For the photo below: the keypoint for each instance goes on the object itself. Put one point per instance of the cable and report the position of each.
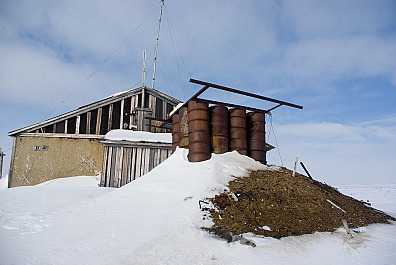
(166, 81)
(100, 66)
(172, 33)
(177, 63)
(6, 147)
(276, 142)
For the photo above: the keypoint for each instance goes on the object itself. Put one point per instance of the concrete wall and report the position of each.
(38, 159)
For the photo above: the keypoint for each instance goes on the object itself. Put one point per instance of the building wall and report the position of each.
(38, 159)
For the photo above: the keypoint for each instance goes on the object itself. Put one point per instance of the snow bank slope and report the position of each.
(156, 220)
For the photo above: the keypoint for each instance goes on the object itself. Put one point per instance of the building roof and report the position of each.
(92, 106)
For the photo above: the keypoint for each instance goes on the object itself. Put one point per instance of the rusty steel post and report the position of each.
(198, 131)
(219, 129)
(183, 127)
(175, 131)
(238, 140)
(256, 128)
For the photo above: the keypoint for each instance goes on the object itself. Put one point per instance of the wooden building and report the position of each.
(70, 144)
(126, 159)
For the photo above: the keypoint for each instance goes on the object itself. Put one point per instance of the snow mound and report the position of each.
(157, 220)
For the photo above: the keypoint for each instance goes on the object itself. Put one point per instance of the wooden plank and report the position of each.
(152, 106)
(113, 166)
(129, 165)
(98, 121)
(147, 162)
(78, 124)
(108, 167)
(138, 163)
(66, 121)
(88, 124)
(133, 106)
(104, 166)
(110, 117)
(151, 158)
(142, 164)
(133, 163)
(118, 167)
(124, 172)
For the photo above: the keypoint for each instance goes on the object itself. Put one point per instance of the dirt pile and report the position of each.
(275, 204)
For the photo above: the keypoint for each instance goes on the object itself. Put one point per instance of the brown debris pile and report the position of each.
(275, 204)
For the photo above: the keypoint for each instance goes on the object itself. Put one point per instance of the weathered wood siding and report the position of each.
(123, 164)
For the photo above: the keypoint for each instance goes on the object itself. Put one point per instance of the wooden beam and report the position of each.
(98, 121)
(110, 117)
(88, 124)
(66, 122)
(78, 124)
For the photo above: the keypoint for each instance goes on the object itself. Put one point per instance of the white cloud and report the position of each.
(337, 153)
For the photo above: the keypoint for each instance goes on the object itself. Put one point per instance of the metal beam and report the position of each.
(206, 84)
(271, 109)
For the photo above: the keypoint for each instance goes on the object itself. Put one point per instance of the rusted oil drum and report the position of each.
(175, 131)
(183, 127)
(238, 140)
(256, 127)
(199, 134)
(219, 129)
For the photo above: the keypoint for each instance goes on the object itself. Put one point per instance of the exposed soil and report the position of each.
(275, 204)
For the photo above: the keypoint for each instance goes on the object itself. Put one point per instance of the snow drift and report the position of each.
(156, 220)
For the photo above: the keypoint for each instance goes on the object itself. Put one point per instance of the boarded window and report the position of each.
(104, 120)
(116, 115)
(48, 129)
(169, 108)
(83, 124)
(158, 108)
(60, 127)
(92, 127)
(139, 99)
(127, 112)
(71, 125)
(146, 100)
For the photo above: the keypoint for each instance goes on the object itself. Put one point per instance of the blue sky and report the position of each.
(336, 58)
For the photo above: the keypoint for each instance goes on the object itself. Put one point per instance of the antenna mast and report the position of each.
(144, 68)
(156, 45)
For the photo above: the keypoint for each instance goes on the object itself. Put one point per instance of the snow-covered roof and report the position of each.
(138, 136)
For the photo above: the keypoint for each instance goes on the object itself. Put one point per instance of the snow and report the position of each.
(4, 183)
(138, 136)
(156, 220)
(176, 108)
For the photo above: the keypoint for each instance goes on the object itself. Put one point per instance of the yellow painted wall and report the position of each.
(65, 157)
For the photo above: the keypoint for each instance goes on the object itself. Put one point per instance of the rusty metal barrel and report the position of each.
(256, 127)
(183, 127)
(238, 140)
(219, 129)
(175, 131)
(199, 134)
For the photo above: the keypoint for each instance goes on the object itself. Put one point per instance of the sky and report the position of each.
(335, 58)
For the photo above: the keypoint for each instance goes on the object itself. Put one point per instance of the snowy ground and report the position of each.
(156, 220)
